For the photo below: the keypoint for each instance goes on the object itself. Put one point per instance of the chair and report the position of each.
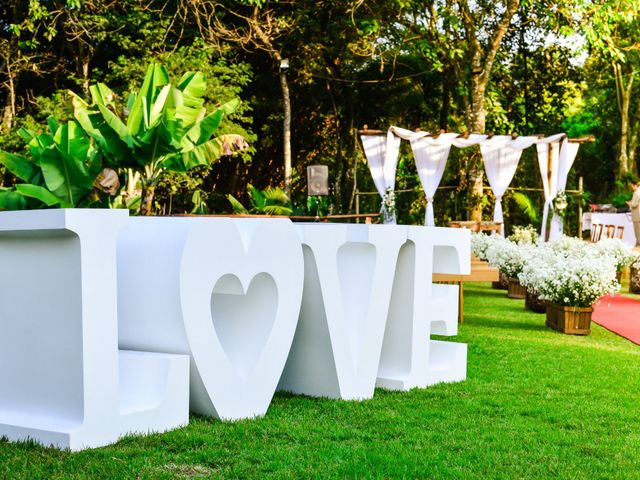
(596, 231)
(610, 231)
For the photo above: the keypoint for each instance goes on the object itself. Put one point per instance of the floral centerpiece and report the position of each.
(389, 206)
(524, 235)
(618, 250)
(570, 281)
(511, 258)
(480, 243)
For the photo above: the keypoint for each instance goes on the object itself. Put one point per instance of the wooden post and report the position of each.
(580, 208)
(357, 205)
(549, 177)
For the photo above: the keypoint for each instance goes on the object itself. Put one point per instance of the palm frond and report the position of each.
(236, 205)
(276, 195)
(277, 210)
(526, 205)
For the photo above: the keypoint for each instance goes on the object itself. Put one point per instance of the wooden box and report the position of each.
(570, 320)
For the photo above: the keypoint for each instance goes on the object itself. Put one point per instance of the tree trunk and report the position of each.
(624, 100)
(446, 99)
(85, 77)
(478, 122)
(286, 132)
(481, 58)
(10, 107)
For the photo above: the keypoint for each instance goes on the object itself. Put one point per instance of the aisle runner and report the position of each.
(619, 314)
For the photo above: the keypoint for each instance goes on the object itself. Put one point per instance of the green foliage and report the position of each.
(270, 201)
(199, 203)
(163, 127)
(61, 170)
(166, 126)
(526, 205)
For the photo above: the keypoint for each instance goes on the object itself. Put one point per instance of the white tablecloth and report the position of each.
(617, 219)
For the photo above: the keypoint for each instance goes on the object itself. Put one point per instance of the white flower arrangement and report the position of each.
(510, 257)
(616, 248)
(575, 277)
(567, 245)
(560, 204)
(389, 206)
(524, 235)
(480, 243)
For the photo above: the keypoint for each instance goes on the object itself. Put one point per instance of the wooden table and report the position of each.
(477, 226)
(480, 272)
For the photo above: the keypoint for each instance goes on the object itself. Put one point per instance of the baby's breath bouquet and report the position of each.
(524, 235)
(616, 248)
(575, 279)
(509, 257)
(480, 243)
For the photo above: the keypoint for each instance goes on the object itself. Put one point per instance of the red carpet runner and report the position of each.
(619, 314)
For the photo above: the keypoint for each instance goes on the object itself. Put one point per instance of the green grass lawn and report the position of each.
(536, 404)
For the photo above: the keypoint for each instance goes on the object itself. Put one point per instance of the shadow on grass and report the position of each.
(509, 324)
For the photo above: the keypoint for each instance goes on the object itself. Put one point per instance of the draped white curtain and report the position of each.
(549, 157)
(563, 154)
(501, 155)
(382, 156)
(431, 157)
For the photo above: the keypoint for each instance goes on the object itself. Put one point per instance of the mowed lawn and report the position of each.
(536, 404)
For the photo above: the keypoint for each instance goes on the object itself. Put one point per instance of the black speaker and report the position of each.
(317, 180)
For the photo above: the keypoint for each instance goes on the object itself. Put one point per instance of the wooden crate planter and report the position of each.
(534, 303)
(502, 283)
(516, 290)
(570, 320)
(634, 280)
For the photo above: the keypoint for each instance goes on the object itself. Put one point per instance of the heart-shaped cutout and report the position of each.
(243, 320)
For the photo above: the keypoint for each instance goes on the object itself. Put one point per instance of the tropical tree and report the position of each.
(163, 127)
(64, 170)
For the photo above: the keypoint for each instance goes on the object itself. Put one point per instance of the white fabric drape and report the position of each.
(546, 160)
(431, 156)
(501, 155)
(470, 141)
(382, 156)
(566, 157)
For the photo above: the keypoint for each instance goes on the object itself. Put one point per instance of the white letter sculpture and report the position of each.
(224, 291)
(349, 272)
(63, 381)
(418, 308)
(249, 304)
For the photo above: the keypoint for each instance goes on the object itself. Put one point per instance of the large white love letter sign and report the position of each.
(349, 271)
(225, 291)
(63, 381)
(420, 308)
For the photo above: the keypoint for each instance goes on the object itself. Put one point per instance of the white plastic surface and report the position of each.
(59, 377)
(349, 271)
(420, 308)
(224, 291)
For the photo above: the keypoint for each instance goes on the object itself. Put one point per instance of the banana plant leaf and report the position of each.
(11, 200)
(61, 171)
(42, 194)
(20, 166)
